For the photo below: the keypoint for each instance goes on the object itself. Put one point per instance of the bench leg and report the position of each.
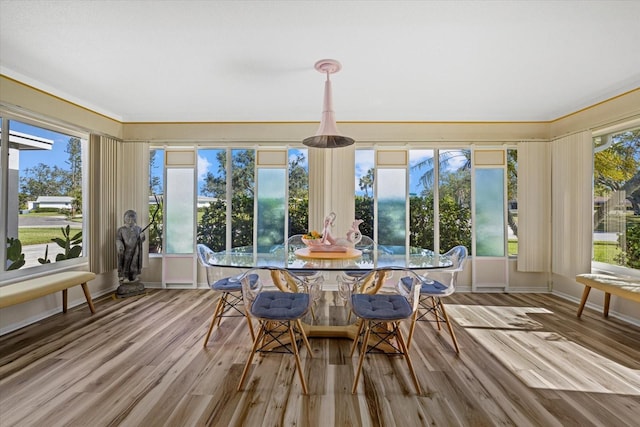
(607, 300)
(87, 295)
(583, 301)
(64, 300)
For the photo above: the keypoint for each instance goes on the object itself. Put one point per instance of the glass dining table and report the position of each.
(370, 265)
(300, 259)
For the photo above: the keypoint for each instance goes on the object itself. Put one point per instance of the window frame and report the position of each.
(6, 116)
(609, 133)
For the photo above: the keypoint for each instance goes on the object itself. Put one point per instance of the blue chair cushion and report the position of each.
(233, 284)
(277, 305)
(380, 306)
(435, 288)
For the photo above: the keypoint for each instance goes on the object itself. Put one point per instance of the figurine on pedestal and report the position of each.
(129, 240)
(354, 236)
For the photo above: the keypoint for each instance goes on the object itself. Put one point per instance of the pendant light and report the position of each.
(328, 135)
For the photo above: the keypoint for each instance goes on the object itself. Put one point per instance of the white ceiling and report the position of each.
(219, 61)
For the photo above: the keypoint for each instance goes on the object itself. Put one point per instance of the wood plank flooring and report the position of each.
(526, 360)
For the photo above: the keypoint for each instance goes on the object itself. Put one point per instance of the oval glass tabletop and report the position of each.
(362, 258)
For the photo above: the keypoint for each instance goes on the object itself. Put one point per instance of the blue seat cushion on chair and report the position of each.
(277, 305)
(380, 306)
(233, 284)
(426, 288)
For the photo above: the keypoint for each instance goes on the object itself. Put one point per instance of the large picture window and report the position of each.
(43, 185)
(225, 174)
(616, 187)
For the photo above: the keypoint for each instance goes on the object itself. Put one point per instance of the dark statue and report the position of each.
(129, 240)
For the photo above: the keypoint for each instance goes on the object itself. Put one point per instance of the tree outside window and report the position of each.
(616, 197)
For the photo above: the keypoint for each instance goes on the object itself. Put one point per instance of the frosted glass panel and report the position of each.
(490, 236)
(392, 208)
(271, 208)
(180, 215)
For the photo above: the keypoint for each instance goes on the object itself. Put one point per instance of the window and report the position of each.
(431, 187)
(221, 226)
(156, 198)
(439, 192)
(512, 201)
(616, 197)
(298, 191)
(365, 177)
(44, 187)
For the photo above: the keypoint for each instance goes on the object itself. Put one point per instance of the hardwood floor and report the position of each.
(526, 360)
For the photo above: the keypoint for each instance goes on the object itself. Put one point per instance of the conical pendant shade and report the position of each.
(328, 135)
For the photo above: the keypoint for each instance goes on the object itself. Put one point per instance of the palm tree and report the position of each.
(366, 182)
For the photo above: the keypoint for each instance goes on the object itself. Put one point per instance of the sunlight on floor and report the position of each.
(543, 359)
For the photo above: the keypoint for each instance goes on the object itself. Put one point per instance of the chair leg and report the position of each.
(256, 344)
(434, 304)
(248, 317)
(405, 349)
(304, 337)
(213, 321)
(446, 319)
(296, 354)
(414, 319)
(356, 338)
(363, 352)
(223, 307)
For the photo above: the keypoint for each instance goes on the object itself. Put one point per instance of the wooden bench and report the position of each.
(31, 289)
(627, 288)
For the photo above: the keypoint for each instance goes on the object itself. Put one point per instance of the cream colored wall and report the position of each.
(363, 132)
(619, 109)
(17, 95)
(23, 97)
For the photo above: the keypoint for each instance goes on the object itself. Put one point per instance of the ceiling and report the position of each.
(238, 61)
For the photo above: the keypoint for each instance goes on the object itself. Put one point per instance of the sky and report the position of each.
(57, 156)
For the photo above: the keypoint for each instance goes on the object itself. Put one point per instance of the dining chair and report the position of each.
(293, 244)
(380, 315)
(230, 303)
(279, 314)
(432, 291)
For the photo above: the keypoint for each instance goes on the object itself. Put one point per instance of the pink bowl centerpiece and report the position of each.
(312, 239)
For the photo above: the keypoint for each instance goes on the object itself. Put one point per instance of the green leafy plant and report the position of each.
(631, 256)
(14, 254)
(71, 244)
(46, 259)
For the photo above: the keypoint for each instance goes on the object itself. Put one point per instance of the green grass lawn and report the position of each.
(35, 236)
(602, 251)
(605, 252)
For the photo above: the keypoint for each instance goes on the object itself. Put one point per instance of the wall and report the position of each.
(18, 96)
(23, 97)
